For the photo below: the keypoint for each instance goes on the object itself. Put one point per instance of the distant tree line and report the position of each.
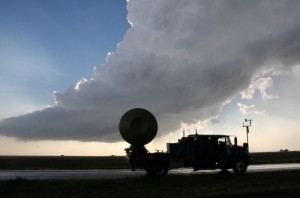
(283, 150)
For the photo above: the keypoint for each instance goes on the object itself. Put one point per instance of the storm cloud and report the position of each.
(182, 60)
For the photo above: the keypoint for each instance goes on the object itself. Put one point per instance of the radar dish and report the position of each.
(138, 127)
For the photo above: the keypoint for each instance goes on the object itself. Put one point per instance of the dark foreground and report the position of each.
(113, 162)
(265, 184)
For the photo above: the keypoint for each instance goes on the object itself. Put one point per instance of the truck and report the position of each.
(198, 151)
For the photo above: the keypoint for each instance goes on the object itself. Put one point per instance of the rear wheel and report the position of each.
(240, 166)
(157, 170)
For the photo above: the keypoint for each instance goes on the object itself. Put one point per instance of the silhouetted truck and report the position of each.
(138, 127)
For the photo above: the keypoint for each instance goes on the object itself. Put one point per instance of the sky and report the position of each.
(70, 69)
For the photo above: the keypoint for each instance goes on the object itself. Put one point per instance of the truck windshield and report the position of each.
(227, 141)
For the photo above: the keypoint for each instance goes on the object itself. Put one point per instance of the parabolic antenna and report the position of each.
(138, 127)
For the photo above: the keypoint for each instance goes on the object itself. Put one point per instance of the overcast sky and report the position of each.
(70, 69)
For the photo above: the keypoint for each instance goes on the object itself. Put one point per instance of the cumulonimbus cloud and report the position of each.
(180, 59)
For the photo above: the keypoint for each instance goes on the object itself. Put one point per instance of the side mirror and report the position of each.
(235, 141)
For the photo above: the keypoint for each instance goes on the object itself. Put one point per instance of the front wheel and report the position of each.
(240, 166)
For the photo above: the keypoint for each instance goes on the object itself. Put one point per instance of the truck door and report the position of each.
(224, 144)
(210, 149)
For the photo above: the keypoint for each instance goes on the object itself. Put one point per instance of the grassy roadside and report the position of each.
(271, 184)
(276, 157)
(61, 162)
(114, 162)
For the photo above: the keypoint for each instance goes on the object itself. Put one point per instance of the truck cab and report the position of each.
(212, 152)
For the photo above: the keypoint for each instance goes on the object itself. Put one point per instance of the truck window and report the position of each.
(227, 141)
(224, 140)
(221, 140)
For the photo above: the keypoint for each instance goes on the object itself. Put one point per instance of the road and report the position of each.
(124, 173)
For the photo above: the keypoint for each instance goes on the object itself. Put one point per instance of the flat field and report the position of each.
(114, 162)
(276, 157)
(61, 162)
(262, 184)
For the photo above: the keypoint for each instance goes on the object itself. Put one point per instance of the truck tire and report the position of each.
(223, 164)
(240, 166)
(157, 170)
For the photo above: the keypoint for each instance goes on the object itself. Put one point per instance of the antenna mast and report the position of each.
(245, 124)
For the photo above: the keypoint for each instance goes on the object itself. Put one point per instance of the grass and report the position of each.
(269, 184)
(276, 157)
(114, 162)
(61, 162)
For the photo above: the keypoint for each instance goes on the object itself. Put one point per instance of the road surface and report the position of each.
(124, 173)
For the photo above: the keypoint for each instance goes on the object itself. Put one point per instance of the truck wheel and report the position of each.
(223, 165)
(240, 166)
(157, 170)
